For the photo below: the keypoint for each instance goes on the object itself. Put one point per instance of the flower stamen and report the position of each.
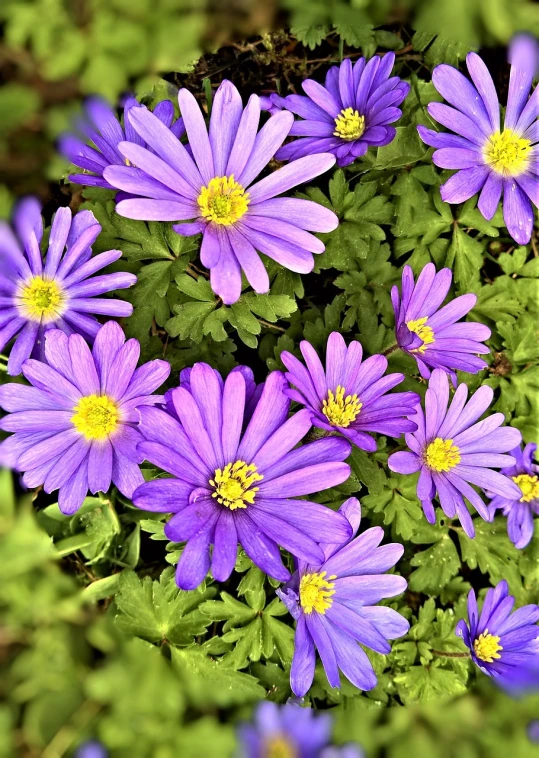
(96, 416)
(486, 647)
(349, 125)
(340, 410)
(507, 153)
(41, 299)
(233, 484)
(529, 486)
(223, 201)
(315, 592)
(442, 455)
(278, 747)
(424, 332)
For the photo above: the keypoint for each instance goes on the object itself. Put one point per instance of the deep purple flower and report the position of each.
(520, 510)
(215, 188)
(334, 603)
(346, 116)
(503, 644)
(434, 336)
(287, 731)
(489, 159)
(350, 397)
(75, 428)
(56, 293)
(101, 127)
(452, 451)
(236, 479)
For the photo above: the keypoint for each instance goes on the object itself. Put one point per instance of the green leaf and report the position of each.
(420, 684)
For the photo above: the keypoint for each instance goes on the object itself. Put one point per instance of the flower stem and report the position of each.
(450, 655)
(391, 349)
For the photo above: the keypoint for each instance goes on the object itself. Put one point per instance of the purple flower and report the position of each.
(75, 427)
(334, 603)
(520, 510)
(452, 451)
(215, 187)
(101, 127)
(91, 749)
(347, 115)
(533, 731)
(236, 478)
(432, 335)
(503, 644)
(489, 159)
(287, 731)
(350, 397)
(56, 293)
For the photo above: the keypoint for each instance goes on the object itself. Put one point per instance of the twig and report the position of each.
(271, 326)
(450, 655)
(391, 349)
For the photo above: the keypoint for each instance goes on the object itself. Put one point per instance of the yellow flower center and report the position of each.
(486, 647)
(529, 486)
(96, 416)
(278, 747)
(442, 455)
(223, 201)
(424, 332)
(233, 484)
(349, 125)
(41, 299)
(340, 410)
(315, 592)
(507, 153)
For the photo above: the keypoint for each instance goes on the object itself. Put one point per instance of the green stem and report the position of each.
(391, 349)
(450, 655)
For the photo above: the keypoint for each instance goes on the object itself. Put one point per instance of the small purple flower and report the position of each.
(434, 336)
(237, 476)
(505, 645)
(520, 510)
(452, 452)
(347, 115)
(285, 731)
(101, 127)
(334, 604)
(91, 749)
(488, 158)
(56, 293)
(217, 191)
(75, 428)
(350, 397)
(533, 731)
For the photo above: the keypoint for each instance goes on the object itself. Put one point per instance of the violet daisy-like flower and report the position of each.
(75, 428)
(451, 451)
(216, 189)
(237, 478)
(285, 731)
(346, 116)
(520, 510)
(504, 644)
(334, 604)
(435, 336)
(59, 292)
(350, 396)
(101, 127)
(489, 158)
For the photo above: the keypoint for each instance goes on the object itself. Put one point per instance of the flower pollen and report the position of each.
(507, 153)
(442, 455)
(424, 332)
(223, 201)
(529, 486)
(340, 410)
(41, 299)
(278, 747)
(233, 484)
(96, 416)
(315, 592)
(486, 647)
(349, 125)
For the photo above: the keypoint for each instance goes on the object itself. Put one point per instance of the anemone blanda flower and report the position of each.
(520, 510)
(233, 486)
(489, 158)
(346, 116)
(452, 451)
(291, 731)
(74, 429)
(101, 127)
(217, 189)
(504, 644)
(350, 397)
(434, 336)
(56, 293)
(91, 749)
(334, 604)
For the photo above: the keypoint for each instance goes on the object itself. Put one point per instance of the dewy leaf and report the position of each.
(437, 566)
(405, 149)
(465, 257)
(491, 551)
